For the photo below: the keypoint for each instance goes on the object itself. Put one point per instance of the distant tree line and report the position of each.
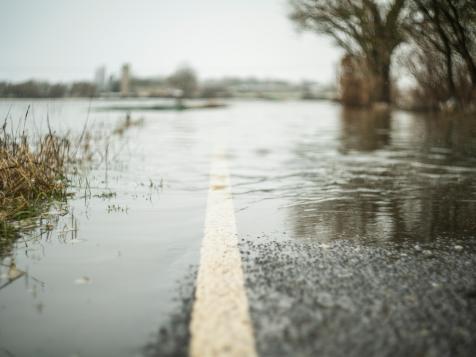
(439, 37)
(36, 89)
(183, 83)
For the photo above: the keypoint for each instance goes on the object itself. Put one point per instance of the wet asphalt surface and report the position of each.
(348, 299)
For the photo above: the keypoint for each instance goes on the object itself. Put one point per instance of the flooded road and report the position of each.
(358, 175)
(326, 201)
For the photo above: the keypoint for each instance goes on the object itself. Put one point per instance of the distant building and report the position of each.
(100, 79)
(125, 81)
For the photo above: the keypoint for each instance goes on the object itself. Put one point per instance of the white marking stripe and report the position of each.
(220, 325)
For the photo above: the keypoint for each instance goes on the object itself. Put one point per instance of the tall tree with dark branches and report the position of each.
(442, 35)
(460, 19)
(368, 28)
(432, 50)
(450, 27)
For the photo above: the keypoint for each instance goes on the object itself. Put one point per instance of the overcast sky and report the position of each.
(62, 40)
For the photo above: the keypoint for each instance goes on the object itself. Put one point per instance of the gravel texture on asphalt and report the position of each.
(347, 298)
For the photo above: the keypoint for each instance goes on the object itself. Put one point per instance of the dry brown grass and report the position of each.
(32, 172)
(37, 170)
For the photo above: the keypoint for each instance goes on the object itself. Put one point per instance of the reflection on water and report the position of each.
(364, 130)
(395, 177)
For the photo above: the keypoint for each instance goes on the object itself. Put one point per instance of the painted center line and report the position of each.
(220, 324)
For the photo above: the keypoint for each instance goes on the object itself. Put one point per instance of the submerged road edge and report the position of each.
(220, 323)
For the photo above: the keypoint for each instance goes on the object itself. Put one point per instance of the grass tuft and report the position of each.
(32, 173)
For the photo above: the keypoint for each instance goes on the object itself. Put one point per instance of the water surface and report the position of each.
(308, 170)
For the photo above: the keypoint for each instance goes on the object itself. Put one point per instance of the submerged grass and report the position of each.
(127, 123)
(38, 171)
(33, 172)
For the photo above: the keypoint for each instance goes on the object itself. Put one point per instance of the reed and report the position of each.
(33, 172)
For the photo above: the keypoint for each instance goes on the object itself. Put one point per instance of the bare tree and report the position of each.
(444, 34)
(460, 22)
(368, 28)
(185, 80)
(427, 31)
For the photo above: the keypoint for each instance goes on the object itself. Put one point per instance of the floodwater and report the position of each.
(310, 170)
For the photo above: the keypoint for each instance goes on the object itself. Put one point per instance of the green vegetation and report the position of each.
(106, 195)
(115, 208)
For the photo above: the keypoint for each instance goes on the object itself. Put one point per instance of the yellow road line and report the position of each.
(220, 325)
